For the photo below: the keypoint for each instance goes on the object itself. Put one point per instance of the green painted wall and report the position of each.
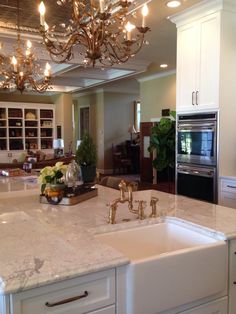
(157, 94)
(119, 116)
(111, 115)
(95, 102)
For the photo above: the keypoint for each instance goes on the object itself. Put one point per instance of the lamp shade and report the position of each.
(58, 143)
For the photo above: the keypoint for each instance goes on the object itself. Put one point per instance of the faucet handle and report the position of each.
(141, 207)
(153, 204)
(122, 185)
(112, 213)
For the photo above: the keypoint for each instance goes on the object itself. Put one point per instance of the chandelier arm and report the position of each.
(55, 47)
(126, 55)
(115, 58)
(76, 11)
(109, 51)
(118, 48)
(39, 87)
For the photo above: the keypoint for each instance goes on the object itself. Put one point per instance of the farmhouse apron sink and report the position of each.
(170, 265)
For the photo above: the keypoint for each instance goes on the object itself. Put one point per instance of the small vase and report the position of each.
(54, 192)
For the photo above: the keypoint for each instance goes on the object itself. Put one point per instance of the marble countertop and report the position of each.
(42, 243)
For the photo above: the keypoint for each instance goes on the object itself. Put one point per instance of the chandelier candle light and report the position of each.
(21, 71)
(99, 28)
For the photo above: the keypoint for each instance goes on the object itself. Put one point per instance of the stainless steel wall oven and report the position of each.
(197, 139)
(196, 170)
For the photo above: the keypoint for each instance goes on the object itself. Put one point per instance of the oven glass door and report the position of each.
(197, 145)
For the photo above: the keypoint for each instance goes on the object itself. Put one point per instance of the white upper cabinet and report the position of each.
(198, 63)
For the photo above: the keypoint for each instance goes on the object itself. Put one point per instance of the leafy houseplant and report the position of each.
(86, 157)
(162, 140)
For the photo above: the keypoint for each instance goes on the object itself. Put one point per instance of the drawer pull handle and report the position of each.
(84, 295)
(193, 98)
(231, 186)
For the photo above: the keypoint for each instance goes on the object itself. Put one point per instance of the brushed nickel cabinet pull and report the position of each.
(193, 98)
(197, 93)
(231, 186)
(84, 295)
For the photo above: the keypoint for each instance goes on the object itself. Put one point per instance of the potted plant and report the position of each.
(162, 140)
(52, 182)
(86, 157)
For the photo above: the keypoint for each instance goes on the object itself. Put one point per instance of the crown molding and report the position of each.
(156, 76)
(201, 9)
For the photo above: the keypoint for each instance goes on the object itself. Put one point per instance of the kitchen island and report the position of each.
(43, 245)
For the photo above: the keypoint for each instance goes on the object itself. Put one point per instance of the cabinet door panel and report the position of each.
(4, 304)
(107, 310)
(186, 66)
(63, 297)
(214, 307)
(208, 69)
(232, 277)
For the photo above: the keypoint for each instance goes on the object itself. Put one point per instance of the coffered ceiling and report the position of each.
(73, 77)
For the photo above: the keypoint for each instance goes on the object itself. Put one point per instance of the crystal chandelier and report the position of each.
(20, 71)
(99, 28)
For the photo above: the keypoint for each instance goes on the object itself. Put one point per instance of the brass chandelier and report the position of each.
(20, 71)
(99, 28)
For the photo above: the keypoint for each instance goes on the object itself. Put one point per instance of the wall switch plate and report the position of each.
(9, 154)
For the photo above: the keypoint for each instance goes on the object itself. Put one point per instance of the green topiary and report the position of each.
(86, 154)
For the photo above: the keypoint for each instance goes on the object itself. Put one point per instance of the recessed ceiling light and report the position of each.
(164, 65)
(173, 4)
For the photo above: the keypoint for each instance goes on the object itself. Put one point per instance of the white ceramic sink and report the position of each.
(170, 266)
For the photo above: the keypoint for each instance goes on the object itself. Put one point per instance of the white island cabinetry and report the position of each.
(227, 192)
(214, 307)
(93, 293)
(232, 277)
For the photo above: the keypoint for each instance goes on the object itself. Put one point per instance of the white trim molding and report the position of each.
(156, 76)
(203, 8)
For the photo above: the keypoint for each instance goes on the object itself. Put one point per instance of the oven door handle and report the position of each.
(195, 129)
(199, 173)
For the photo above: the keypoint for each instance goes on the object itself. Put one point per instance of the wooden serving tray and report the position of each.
(73, 200)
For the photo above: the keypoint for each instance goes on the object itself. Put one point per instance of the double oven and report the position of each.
(196, 170)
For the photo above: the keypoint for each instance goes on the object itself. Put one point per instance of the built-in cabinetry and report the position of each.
(198, 50)
(93, 293)
(227, 191)
(215, 307)
(232, 277)
(206, 49)
(104, 292)
(27, 126)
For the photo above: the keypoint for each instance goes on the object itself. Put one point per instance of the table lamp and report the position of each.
(58, 146)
